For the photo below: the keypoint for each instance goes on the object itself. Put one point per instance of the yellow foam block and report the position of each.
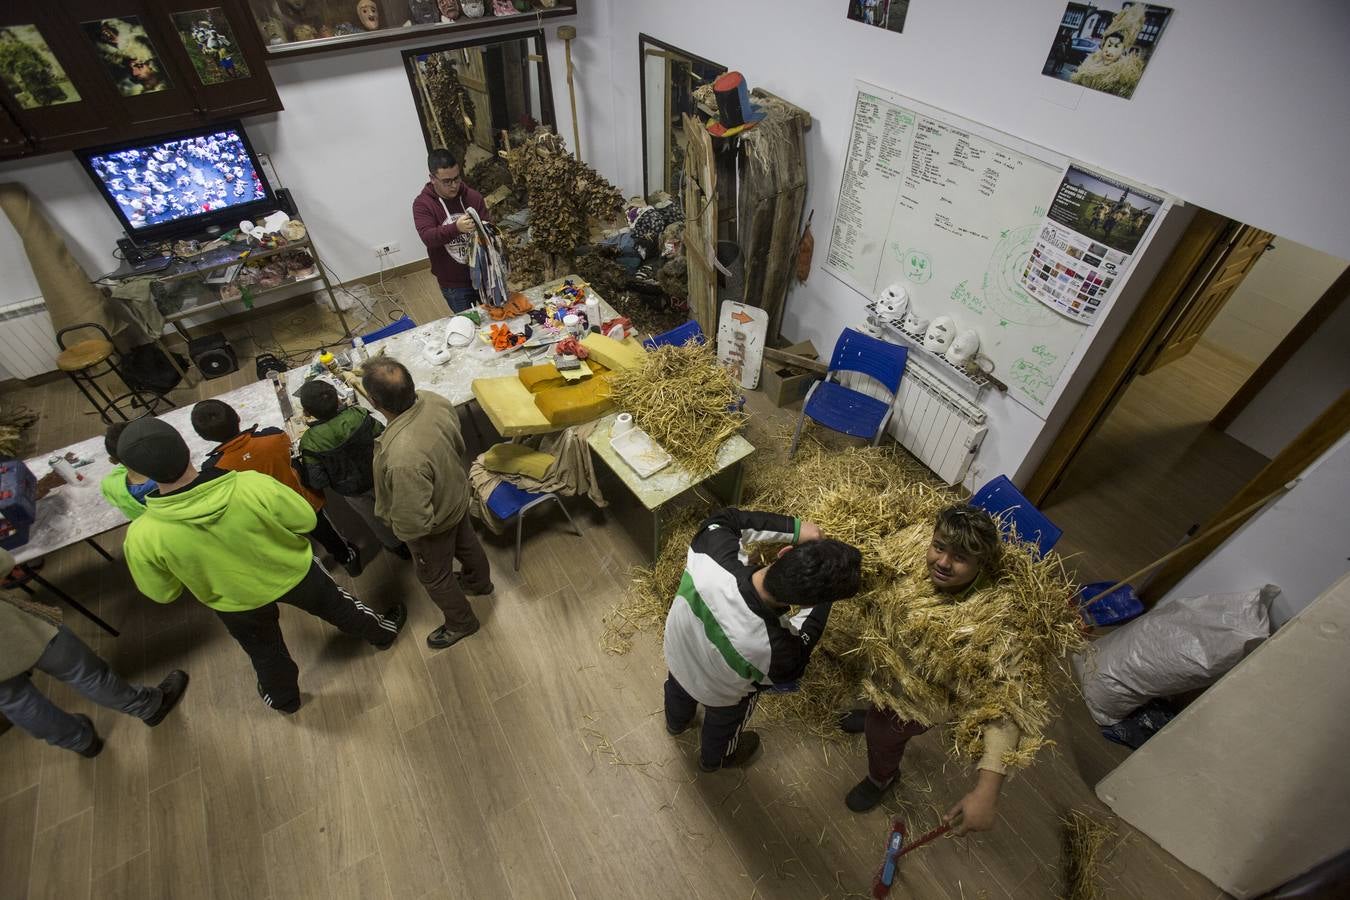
(575, 403)
(538, 378)
(614, 354)
(517, 459)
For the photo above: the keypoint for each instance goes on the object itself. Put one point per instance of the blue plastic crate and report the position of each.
(18, 492)
(13, 535)
(1120, 605)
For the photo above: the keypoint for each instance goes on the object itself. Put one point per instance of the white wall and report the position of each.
(1313, 377)
(1300, 542)
(1282, 286)
(348, 144)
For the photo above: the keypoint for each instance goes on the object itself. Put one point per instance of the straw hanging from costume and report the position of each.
(487, 261)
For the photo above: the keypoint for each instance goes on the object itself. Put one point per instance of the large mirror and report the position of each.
(669, 76)
(474, 98)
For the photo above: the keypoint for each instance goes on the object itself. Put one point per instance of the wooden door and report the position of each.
(216, 47)
(1205, 297)
(13, 142)
(125, 45)
(47, 86)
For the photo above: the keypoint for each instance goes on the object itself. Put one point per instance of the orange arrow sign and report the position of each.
(741, 317)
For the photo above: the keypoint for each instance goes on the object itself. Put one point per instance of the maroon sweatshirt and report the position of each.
(428, 214)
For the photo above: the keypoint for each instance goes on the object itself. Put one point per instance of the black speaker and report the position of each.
(213, 355)
(285, 201)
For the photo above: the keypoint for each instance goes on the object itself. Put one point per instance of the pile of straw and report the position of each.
(13, 423)
(1083, 840)
(564, 193)
(995, 654)
(680, 396)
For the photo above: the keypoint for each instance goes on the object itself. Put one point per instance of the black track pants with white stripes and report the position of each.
(258, 631)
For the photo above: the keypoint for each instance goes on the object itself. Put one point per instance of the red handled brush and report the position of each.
(895, 848)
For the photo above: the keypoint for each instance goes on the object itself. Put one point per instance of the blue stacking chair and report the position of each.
(844, 409)
(677, 336)
(1005, 503)
(508, 502)
(397, 326)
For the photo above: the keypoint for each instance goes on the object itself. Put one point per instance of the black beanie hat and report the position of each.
(154, 449)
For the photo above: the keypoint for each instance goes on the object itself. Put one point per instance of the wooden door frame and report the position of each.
(1306, 327)
(1200, 247)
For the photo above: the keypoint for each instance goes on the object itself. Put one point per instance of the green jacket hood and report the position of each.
(201, 505)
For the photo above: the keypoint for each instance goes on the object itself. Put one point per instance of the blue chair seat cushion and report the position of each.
(846, 410)
(506, 500)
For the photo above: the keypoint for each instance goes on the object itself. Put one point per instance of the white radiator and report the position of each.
(27, 339)
(940, 427)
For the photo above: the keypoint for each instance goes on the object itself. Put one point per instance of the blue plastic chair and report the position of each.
(677, 336)
(844, 409)
(508, 502)
(395, 327)
(1005, 503)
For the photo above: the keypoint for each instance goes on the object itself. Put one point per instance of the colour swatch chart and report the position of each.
(1093, 227)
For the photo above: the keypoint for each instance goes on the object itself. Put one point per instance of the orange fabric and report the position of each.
(266, 453)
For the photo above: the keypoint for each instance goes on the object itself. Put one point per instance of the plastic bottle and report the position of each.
(593, 314)
(359, 352)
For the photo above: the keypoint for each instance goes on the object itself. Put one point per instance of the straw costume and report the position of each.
(1112, 67)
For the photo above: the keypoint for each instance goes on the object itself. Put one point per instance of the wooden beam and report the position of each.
(800, 362)
(1304, 328)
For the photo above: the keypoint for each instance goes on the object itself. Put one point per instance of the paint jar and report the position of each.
(572, 323)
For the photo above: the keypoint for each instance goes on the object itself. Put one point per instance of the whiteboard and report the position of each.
(950, 209)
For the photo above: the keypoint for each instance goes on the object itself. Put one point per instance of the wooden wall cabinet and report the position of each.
(85, 72)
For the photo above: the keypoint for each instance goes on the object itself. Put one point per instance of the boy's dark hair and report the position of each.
(440, 158)
(319, 400)
(215, 420)
(815, 572)
(110, 440)
(389, 385)
(973, 531)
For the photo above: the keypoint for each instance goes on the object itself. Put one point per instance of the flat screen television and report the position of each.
(181, 184)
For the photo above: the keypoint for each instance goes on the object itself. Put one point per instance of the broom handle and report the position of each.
(927, 838)
(1237, 516)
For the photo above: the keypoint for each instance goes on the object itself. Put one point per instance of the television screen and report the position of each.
(180, 184)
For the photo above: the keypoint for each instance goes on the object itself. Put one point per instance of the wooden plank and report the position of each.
(364, 881)
(526, 854)
(800, 362)
(61, 857)
(129, 881)
(18, 830)
(180, 863)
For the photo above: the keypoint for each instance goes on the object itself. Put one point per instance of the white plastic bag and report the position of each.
(1180, 645)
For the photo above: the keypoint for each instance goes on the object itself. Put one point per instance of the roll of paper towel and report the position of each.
(622, 424)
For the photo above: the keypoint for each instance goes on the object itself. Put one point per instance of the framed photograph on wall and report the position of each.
(128, 55)
(210, 45)
(1104, 48)
(30, 70)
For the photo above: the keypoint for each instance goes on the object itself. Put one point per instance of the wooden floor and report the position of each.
(523, 762)
(1154, 468)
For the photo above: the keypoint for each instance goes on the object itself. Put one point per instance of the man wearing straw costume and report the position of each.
(728, 632)
(929, 690)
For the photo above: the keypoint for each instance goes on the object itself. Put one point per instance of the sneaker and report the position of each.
(459, 579)
(96, 745)
(285, 710)
(172, 687)
(746, 749)
(398, 617)
(866, 794)
(353, 563)
(853, 722)
(401, 551)
(443, 637)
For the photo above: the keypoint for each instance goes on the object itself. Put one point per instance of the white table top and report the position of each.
(674, 479)
(72, 514)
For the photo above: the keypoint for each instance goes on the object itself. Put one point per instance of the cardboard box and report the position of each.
(784, 384)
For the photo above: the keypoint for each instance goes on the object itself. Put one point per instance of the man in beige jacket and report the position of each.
(422, 492)
(31, 637)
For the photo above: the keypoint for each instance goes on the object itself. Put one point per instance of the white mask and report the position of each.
(914, 324)
(893, 302)
(940, 334)
(963, 348)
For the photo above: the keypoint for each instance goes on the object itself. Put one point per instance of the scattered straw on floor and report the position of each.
(679, 396)
(1084, 840)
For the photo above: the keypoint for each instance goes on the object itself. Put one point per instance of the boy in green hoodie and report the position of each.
(237, 541)
(122, 488)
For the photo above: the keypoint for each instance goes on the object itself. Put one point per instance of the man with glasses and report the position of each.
(441, 217)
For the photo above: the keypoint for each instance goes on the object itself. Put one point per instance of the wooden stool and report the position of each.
(89, 360)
